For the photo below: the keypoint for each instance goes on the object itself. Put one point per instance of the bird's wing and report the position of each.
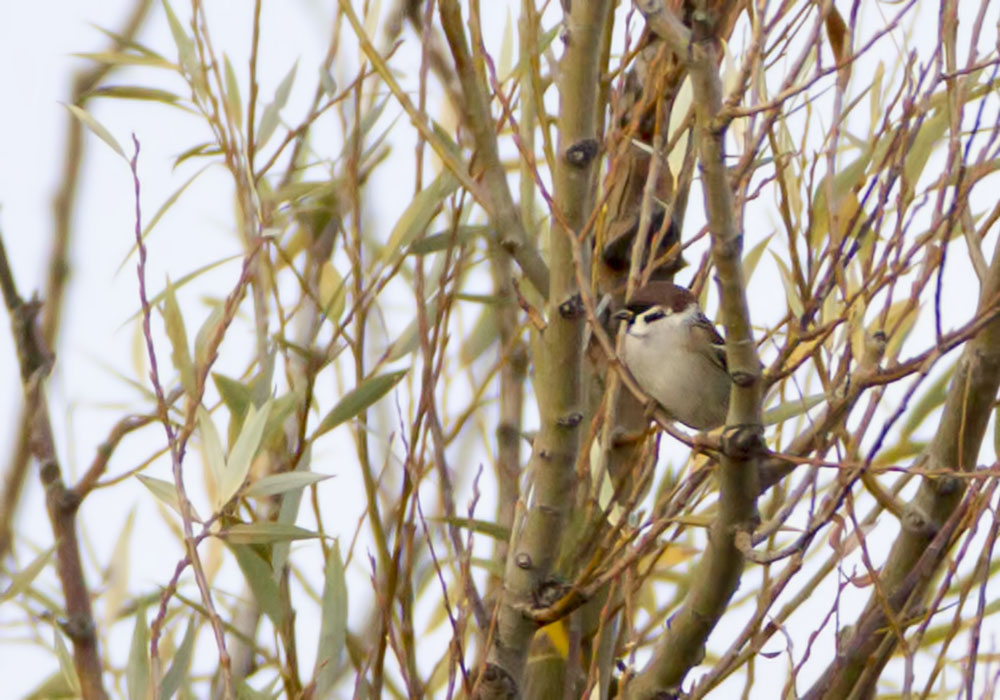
(706, 330)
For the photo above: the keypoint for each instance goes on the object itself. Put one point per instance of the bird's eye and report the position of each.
(654, 314)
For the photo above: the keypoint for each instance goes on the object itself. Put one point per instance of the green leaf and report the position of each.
(120, 58)
(928, 137)
(280, 483)
(242, 454)
(88, 121)
(185, 46)
(233, 101)
(260, 578)
(180, 355)
(236, 396)
(484, 527)
(66, 662)
(333, 624)
(791, 293)
(22, 579)
(206, 334)
(932, 398)
(55, 687)
(135, 92)
(116, 587)
(358, 399)
(215, 457)
(443, 240)
(752, 257)
(182, 281)
(270, 116)
(165, 491)
(264, 532)
(792, 409)
(418, 215)
(481, 338)
(137, 670)
(148, 228)
(181, 664)
(198, 151)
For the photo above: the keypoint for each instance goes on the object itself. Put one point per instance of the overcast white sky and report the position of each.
(36, 40)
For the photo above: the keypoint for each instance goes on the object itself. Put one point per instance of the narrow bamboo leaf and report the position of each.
(55, 687)
(136, 92)
(21, 580)
(484, 527)
(280, 483)
(66, 662)
(264, 532)
(121, 58)
(902, 450)
(180, 355)
(752, 257)
(333, 624)
(791, 294)
(288, 513)
(137, 670)
(407, 342)
(332, 292)
(125, 41)
(506, 48)
(88, 121)
(165, 492)
(261, 581)
(285, 87)
(118, 570)
(932, 398)
(929, 136)
(481, 338)
(792, 409)
(169, 202)
(358, 399)
(245, 691)
(206, 334)
(215, 458)
(185, 46)
(197, 151)
(180, 666)
(183, 281)
(281, 408)
(844, 182)
(242, 454)
(233, 101)
(419, 213)
(236, 396)
(445, 239)
(270, 115)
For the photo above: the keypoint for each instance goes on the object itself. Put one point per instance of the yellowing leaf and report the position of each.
(22, 579)
(557, 634)
(95, 126)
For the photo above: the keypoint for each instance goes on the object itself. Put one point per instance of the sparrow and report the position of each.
(676, 354)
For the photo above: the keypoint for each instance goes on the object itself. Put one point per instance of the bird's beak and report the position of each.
(624, 315)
